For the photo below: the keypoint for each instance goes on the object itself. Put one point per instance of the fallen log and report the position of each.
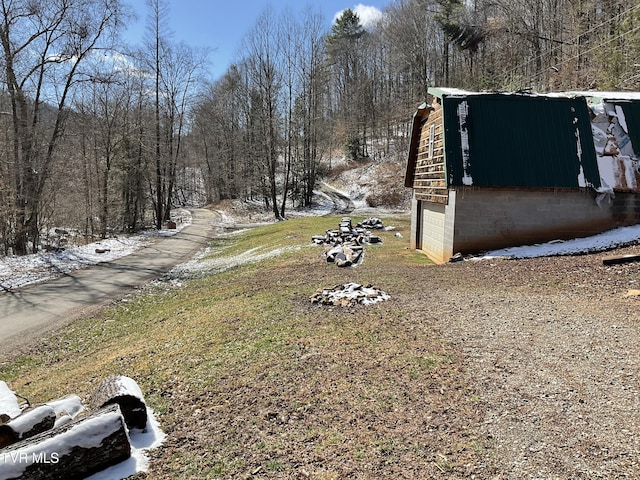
(125, 392)
(619, 259)
(30, 422)
(73, 451)
(66, 408)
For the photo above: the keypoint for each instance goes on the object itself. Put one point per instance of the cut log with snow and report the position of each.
(30, 422)
(125, 392)
(66, 408)
(73, 451)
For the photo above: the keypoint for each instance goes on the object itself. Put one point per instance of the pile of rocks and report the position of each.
(346, 234)
(348, 295)
(345, 255)
(371, 224)
(345, 244)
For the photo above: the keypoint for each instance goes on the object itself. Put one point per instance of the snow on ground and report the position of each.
(141, 442)
(618, 237)
(24, 270)
(201, 265)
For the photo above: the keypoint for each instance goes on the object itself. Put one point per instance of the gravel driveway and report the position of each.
(551, 349)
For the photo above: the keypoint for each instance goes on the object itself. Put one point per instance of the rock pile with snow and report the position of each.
(345, 245)
(372, 223)
(346, 234)
(349, 295)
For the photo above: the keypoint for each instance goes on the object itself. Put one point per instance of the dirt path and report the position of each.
(341, 203)
(30, 312)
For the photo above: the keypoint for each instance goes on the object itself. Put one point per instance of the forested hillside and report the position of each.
(100, 136)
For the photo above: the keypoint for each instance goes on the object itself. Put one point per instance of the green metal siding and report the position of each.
(519, 141)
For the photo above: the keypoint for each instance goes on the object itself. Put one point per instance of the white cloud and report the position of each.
(368, 15)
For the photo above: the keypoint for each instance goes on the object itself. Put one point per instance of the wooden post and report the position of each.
(619, 259)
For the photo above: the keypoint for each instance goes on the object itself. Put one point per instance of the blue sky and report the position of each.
(220, 25)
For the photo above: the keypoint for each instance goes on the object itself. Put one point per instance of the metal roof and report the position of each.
(517, 140)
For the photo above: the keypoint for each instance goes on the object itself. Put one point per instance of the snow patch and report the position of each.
(597, 243)
(141, 442)
(201, 266)
(19, 271)
(8, 401)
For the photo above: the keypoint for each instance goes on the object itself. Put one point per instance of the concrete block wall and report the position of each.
(487, 219)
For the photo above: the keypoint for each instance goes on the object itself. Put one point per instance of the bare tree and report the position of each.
(45, 45)
(180, 77)
(263, 54)
(311, 98)
(158, 32)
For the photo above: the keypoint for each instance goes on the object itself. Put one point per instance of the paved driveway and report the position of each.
(28, 313)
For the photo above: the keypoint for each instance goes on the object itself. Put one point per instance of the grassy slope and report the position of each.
(248, 378)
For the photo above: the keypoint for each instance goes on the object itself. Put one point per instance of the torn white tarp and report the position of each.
(463, 112)
(617, 161)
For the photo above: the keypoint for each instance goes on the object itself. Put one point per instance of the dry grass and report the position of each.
(249, 379)
(469, 369)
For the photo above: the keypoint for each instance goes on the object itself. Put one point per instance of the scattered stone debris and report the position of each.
(371, 224)
(346, 234)
(344, 255)
(345, 244)
(349, 295)
(458, 257)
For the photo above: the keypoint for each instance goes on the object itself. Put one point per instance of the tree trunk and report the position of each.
(29, 423)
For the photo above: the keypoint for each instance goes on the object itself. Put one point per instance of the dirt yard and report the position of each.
(495, 369)
(550, 349)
